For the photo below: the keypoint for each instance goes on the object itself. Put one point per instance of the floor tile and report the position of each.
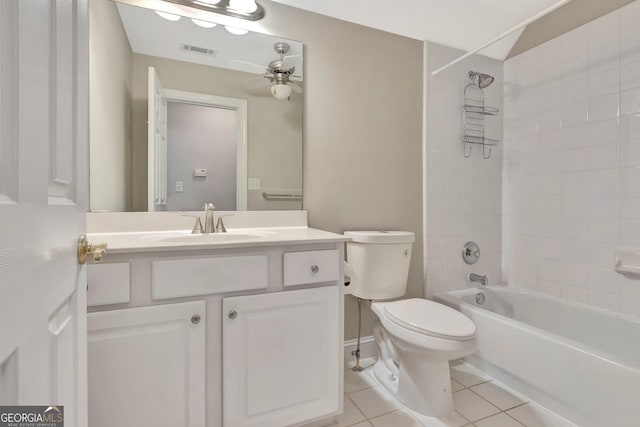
(499, 420)
(467, 375)
(363, 424)
(374, 401)
(356, 381)
(455, 385)
(350, 415)
(497, 395)
(399, 418)
(455, 420)
(364, 363)
(533, 415)
(472, 406)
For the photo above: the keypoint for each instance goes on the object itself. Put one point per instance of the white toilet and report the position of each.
(418, 337)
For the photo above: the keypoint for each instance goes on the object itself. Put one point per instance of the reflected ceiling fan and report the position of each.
(279, 73)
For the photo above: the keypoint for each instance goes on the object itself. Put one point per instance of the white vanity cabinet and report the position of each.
(280, 355)
(266, 349)
(147, 366)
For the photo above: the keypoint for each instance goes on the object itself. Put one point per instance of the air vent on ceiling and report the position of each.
(198, 49)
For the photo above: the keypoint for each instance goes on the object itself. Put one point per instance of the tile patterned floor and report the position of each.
(479, 401)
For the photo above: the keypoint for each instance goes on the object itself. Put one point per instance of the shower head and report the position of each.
(484, 80)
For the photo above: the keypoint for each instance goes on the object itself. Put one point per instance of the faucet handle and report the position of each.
(220, 228)
(197, 228)
(209, 206)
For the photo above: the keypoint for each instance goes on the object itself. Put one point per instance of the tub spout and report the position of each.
(483, 280)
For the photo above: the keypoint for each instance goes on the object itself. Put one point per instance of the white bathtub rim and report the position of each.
(448, 298)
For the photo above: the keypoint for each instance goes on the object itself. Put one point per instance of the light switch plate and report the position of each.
(179, 186)
(254, 183)
(200, 172)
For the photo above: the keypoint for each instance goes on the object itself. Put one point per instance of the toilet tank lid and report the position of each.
(381, 236)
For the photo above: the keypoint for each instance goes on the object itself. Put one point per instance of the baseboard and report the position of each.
(368, 348)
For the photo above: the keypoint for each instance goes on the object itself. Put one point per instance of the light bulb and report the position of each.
(246, 6)
(169, 16)
(281, 91)
(203, 24)
(235, 30)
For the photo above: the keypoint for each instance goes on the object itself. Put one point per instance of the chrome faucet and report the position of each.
(483, 280)
(208, 217)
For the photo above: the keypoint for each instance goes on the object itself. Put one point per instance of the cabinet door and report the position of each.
(147, 366)
(281, 357)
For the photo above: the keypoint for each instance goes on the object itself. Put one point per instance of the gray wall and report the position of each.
(204, 138)
(110, 62)
(362, 132)
(567, 18)
(274, 127)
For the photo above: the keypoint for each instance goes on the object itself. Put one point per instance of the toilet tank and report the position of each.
(379, 263)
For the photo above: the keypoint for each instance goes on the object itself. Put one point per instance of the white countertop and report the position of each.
(181, 240)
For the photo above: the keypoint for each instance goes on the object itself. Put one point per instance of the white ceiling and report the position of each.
(463, 24)
(149, 34)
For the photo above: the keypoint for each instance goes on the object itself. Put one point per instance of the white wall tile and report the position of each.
(630, 101)
(605, 107)
(630, 75)
(603, 132)
(575, 43)
(630, 50)
(604, 58)
(630, 18)
(604, 83)
(605, 30)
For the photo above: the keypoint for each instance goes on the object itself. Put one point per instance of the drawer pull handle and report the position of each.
(195, 319)
(233, 314)
(315, 269)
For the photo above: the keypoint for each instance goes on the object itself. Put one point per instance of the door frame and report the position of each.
(240, 107)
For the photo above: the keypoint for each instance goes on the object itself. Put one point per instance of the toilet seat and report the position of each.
(430, 318)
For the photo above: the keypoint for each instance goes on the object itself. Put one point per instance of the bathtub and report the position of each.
(581, 362)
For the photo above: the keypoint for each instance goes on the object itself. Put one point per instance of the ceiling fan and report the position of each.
(279, 73)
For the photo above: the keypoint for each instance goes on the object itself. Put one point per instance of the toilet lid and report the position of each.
(430, 318)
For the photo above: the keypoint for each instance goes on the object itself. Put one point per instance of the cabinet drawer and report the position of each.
(311, 267)
(202, 276)
(108, 284)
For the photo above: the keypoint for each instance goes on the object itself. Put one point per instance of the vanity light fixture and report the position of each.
(281, 91)
(249, 10)
(203, 24)
(169, 16)
(235, 30)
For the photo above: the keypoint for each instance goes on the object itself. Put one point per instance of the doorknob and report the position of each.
(85, 249)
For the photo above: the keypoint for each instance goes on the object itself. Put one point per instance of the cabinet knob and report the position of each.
(315, 269)
(195, 319)
(233, 314)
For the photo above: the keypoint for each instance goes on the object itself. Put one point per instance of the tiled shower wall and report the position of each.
(571, 172)
(463, 195)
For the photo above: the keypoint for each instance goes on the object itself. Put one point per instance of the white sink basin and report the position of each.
(213, 238)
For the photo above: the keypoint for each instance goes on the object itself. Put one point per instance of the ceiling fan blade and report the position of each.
(244, 65)
(291, 61)
(296, 88)
(256, 83)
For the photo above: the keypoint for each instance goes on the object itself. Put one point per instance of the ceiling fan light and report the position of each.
(235, 30)
(203, 24)
(245, 6)
(281, 91)
(169, 16)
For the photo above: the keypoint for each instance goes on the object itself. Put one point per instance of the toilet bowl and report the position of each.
(416, 340)
(416, 337)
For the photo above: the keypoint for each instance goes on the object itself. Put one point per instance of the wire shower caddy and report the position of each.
(474, 114)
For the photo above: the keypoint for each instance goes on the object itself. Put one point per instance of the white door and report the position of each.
(281, 357)
(157, 143)
(147, 366)
(43, 201)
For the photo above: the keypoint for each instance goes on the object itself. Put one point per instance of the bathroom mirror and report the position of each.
(224, 128)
